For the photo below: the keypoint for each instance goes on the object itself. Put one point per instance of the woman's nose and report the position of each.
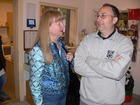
(62, 25)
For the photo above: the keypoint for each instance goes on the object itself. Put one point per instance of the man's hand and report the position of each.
(118, 57)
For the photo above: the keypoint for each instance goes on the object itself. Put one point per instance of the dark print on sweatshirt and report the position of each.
(110, 54)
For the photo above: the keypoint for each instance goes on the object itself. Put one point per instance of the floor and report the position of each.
(135, 101)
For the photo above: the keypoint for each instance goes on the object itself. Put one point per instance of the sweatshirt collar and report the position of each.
(99, 34)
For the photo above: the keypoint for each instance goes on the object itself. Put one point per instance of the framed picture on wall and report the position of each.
(29, 39)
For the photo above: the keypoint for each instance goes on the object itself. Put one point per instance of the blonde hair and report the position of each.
(43, 32)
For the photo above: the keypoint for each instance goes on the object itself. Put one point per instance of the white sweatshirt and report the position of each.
(103, 79)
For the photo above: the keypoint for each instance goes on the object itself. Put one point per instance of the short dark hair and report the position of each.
(114, 9)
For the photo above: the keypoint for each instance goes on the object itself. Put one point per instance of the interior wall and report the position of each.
(89, 24)
(136, 68)
(4, 8)
(69, 3)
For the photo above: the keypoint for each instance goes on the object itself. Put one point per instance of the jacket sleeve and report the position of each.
(80, 65)
(36, 68)
(110, 68)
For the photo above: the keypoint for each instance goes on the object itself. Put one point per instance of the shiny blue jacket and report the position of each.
(48, 79)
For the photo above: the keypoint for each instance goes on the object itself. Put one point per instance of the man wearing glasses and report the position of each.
(102, 60)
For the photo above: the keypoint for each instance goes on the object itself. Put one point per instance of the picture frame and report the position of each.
(29, 39)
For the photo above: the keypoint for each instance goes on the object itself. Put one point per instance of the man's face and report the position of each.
(105, 19)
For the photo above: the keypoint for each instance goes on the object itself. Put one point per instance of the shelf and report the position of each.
(3, 27)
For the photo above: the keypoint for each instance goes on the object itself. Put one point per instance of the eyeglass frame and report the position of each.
(102, 16)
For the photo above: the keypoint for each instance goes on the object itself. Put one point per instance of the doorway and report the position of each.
(7, 33)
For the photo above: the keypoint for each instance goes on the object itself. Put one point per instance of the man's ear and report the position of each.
(115, 19)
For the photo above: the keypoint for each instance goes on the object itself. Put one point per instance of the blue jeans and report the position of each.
(54, 99)
(2, 81)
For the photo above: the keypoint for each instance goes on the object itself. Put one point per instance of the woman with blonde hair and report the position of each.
(49, 76)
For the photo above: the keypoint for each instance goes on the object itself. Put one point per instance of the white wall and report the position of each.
(136, 75)
(136, 69)
(89, 19)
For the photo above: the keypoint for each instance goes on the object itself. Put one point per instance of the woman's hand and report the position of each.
(69, 56)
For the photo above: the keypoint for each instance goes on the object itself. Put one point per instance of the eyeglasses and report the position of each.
(103, 16)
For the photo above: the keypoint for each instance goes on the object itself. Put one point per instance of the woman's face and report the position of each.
(56, 28)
